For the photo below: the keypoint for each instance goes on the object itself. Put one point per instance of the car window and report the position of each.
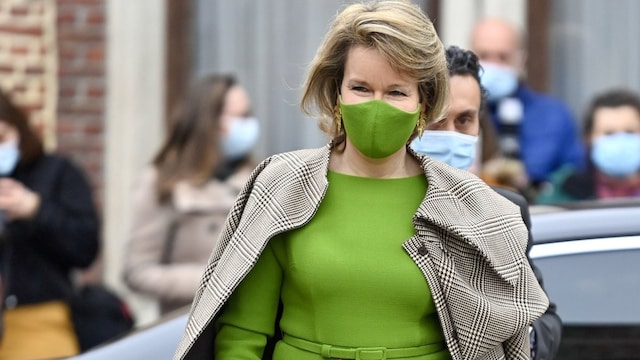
(596, 285)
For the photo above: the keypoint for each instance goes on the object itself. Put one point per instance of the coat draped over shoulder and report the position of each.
(470, 244)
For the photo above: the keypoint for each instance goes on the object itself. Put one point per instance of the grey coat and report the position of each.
(470, 244)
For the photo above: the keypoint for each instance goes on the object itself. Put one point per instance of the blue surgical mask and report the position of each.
(451, 147)
(9, 156)
(500, 81)
(617, 154)
(241, 137)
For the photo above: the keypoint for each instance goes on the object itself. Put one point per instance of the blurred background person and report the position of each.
(534, 128)
(182, 199)
(50, 227)
(612, 137)
(453, 141)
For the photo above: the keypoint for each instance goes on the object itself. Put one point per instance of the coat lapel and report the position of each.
(458, 228)
(472, 212)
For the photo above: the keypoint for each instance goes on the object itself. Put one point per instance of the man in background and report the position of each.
(533, 128)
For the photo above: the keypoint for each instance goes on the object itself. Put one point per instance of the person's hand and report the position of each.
(17, 201)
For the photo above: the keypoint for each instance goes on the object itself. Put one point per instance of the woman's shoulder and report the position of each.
(467, 187)
(55, 165)
(286, 163)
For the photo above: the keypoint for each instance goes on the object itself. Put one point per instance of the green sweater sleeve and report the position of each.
(249, 316)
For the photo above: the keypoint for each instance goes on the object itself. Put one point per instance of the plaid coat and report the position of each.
(470, 244)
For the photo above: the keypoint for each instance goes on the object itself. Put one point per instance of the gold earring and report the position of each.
(337, 117)
(421, 124)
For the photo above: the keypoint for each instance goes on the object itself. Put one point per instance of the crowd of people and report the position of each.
(382, 241)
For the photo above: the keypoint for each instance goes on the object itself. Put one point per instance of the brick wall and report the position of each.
(81, 85)
(28, 60)
(52, 62)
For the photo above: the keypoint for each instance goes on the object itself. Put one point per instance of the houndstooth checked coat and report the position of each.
(470, 244)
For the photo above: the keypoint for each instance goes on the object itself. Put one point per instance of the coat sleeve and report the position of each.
(547, 330)
(199, 344)
(517, 347)
(573, 151)
(249, 316)
(66, 224)
(144, 272)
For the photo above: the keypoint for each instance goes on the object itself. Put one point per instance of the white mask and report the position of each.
(451, 147)
(499, 80)
(9, 156)
(240, 138)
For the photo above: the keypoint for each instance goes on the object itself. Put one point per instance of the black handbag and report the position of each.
(99, 315)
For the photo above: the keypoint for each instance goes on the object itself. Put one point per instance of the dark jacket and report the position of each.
(569, 184)
(38, 255)
(549, 138)
(548, 328)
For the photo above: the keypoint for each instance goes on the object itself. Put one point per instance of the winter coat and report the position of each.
(470, 243)
(170, 242)
(38, 255)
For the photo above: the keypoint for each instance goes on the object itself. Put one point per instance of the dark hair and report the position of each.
(466, 63)
(189, 150)
(30, 145)
(611, 98)
(463, 62)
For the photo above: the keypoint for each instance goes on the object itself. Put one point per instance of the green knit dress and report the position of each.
(343, 279)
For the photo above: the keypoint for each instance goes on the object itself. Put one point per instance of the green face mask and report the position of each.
(376, 128)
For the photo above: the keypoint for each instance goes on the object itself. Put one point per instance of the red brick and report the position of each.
(21, 30)
(66, 91)
(82, 34)
(96, 91)
(79, 72)
(66, 17)
(93, 129)
(66, 51)
(19, 11)
(96, 18)
(80, 108)
(80, 145)
(65, 127)
(6, 68)
(95, 53)
(19, 50)
(34, 70)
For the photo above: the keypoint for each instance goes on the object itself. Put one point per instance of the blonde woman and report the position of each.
(363, 249)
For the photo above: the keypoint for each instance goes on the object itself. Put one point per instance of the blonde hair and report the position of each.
(402, 33)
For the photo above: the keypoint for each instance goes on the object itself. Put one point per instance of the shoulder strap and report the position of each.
(169, 242)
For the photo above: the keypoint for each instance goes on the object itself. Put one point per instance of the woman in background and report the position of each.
(182, 199)
(50, 227)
